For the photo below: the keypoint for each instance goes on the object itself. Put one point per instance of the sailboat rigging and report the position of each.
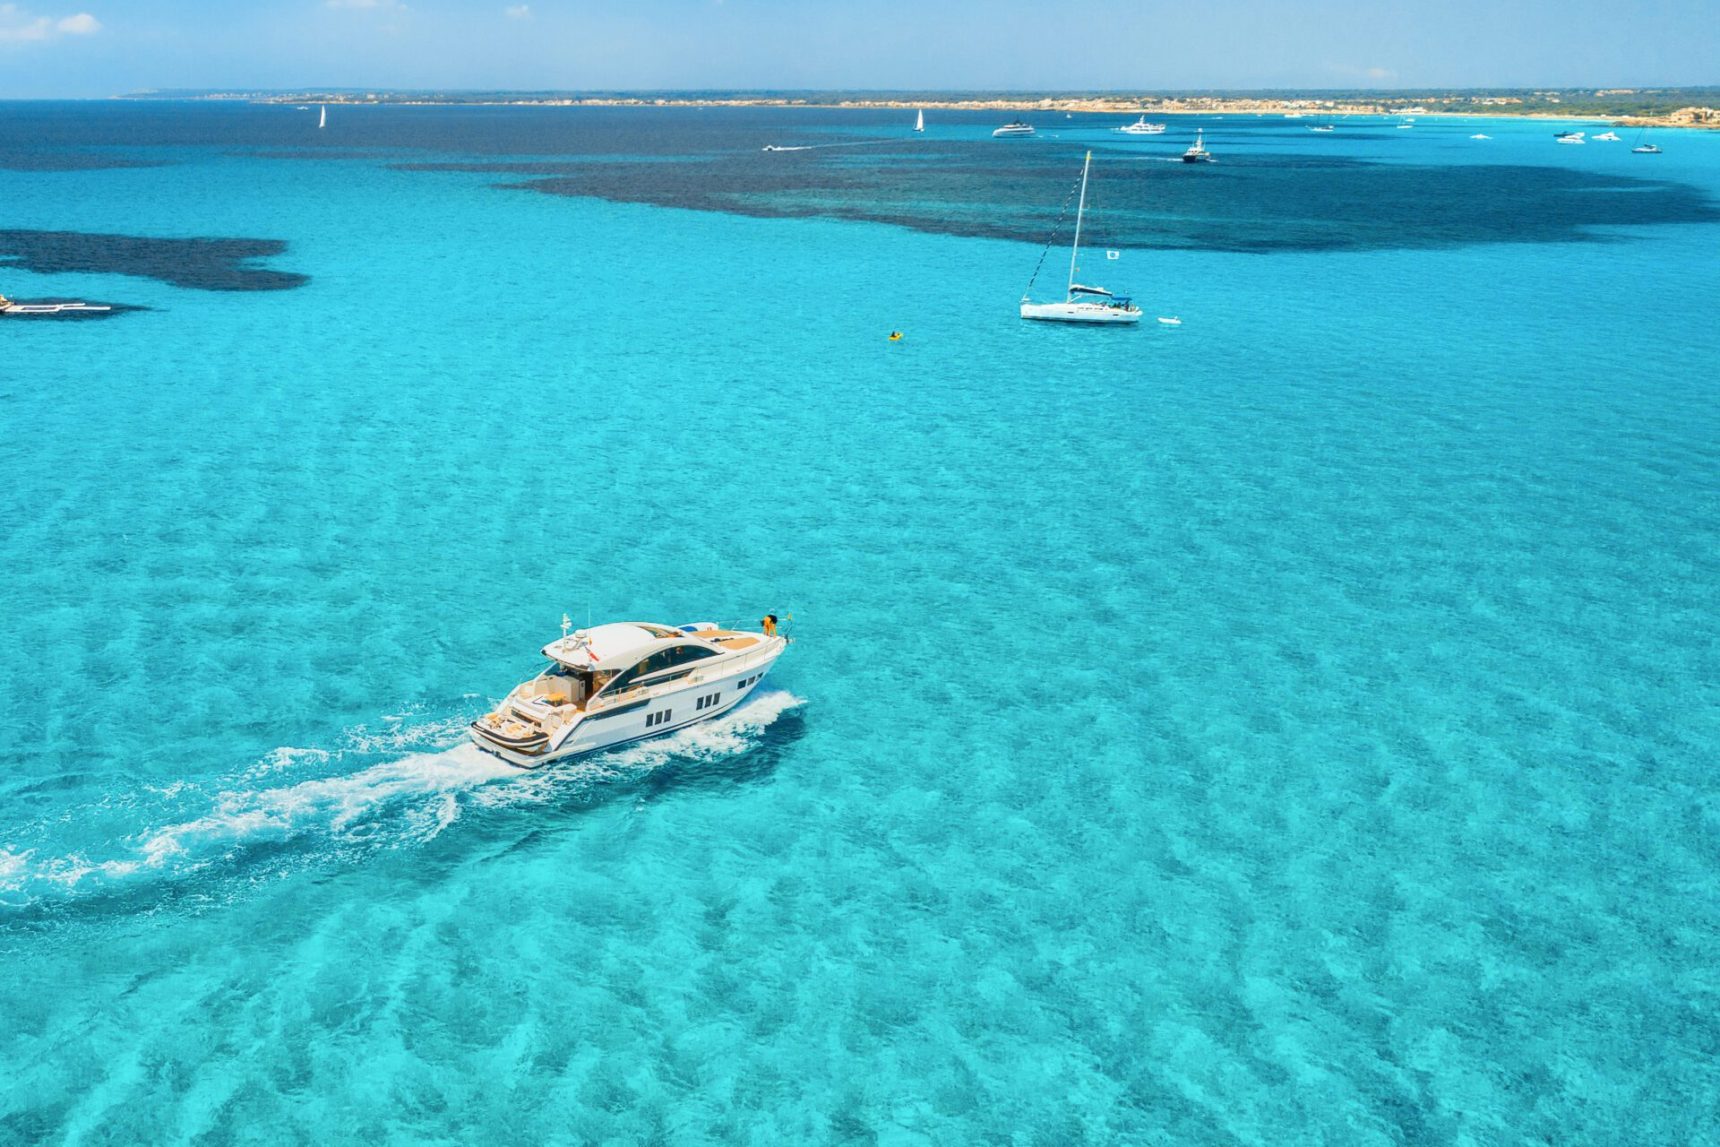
(1081, 304)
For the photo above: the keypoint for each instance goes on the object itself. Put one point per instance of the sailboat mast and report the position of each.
(1080, 210)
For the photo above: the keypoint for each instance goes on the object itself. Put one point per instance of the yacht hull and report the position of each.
(640, 719)
(1078, 313)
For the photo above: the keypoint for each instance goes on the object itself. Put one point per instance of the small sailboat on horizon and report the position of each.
(322, 120)
(920, 121)
(1643, 147)
(1081, 304)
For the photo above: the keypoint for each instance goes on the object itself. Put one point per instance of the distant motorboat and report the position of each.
(1569, 137)
(920, 121)
(1607, 137)
(9, 308)
(1197, 152)
(1142, 127)
(1478, 135)
(1170, 320)
(1081, 304)
(1322, 127)
(1405, 126)
(1012, 129)
(322, 120)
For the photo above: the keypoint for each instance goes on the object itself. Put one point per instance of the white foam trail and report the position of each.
(340, 805)
(411, 800)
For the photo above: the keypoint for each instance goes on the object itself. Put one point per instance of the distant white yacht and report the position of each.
(1643, 147)
(10, 307)
(1478, 135)
(1607, 137)
(1081, 304)
(1142, 127)
(1569, 137)
(611, 684)
(1013, 128)
(1197, 152)
(1322, 127)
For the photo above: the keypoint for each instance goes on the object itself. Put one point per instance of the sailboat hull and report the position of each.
(1079, 313)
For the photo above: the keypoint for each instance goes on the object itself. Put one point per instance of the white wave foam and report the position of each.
(733, 732)
(411, 800)
(340, 805)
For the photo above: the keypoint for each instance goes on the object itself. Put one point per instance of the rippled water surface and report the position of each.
(1297, 725)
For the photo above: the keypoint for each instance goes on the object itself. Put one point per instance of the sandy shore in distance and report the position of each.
(1314, 109)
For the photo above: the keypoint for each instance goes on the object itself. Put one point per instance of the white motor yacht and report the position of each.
(1569, 137)
(1013, 128)
(1142, 127)
(1607, 137)
(626, 681)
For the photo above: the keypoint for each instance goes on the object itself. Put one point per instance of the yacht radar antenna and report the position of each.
(566, 624)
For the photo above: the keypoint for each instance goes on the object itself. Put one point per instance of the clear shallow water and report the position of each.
(1295, 725)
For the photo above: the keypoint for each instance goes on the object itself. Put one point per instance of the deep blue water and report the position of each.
(1293, 726)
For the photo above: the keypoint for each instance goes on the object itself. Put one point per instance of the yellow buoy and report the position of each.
(895, 336)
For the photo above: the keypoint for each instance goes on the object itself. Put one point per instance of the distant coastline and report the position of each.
(1648, 107)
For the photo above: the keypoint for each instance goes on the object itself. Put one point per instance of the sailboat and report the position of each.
(1643, 147)
(1081, 304)
(322, 120)
(920, 121)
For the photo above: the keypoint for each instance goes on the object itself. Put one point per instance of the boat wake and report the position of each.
(259, 823)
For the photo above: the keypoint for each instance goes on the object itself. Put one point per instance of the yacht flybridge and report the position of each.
(622, 682)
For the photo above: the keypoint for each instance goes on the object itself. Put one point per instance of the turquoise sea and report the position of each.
(1295, 726)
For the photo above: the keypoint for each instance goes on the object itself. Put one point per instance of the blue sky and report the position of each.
(103, 47)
